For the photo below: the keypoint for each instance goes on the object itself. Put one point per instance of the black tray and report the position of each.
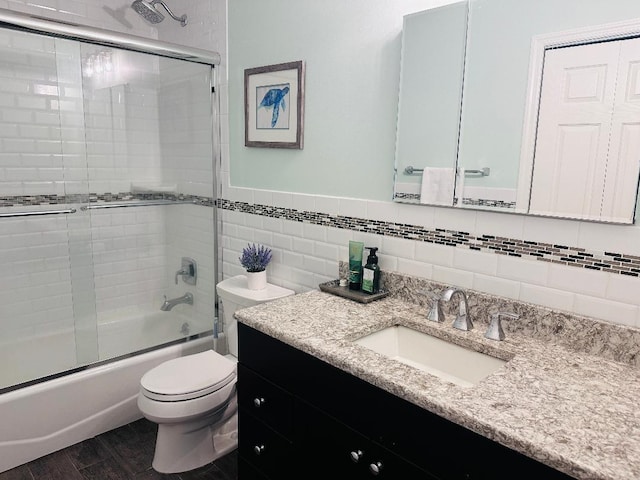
(334, 288)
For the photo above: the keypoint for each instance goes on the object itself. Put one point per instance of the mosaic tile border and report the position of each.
(406, 196)
(483, 202)
(611, 262)
(476, 202)
(35, 200)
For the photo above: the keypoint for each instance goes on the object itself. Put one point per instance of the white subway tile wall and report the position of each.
(62, 134)
(186, 127)
(35, 291)
(129, 261)
(304, 255)
(31, 148)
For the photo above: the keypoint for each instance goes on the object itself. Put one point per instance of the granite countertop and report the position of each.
(573, 411)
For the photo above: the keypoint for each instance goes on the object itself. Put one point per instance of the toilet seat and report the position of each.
(187, 378)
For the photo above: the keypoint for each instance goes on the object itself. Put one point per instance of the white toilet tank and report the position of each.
(235, 295)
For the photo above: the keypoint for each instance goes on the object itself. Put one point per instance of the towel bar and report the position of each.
(484, 172)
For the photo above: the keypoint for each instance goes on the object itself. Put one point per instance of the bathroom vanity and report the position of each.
(313, 403)
(303, 418)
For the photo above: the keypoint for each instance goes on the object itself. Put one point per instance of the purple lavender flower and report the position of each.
(255, 259)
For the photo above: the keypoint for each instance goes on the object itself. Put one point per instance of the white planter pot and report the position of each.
(257, 280)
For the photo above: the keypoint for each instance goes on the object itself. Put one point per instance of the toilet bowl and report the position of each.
(193, 398)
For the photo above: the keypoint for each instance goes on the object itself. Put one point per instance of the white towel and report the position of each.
(437, 186)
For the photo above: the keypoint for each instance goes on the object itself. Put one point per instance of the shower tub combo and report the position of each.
(49, 415)
(116, 136)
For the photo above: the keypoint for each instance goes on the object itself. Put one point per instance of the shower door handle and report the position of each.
(37, 213)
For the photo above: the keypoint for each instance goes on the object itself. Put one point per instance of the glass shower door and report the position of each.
(106, 184)
(149, 158)
(41, 148)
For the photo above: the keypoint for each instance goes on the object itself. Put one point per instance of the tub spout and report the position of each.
(169, 304)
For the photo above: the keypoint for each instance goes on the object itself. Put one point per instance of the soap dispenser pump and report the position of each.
(371, 272)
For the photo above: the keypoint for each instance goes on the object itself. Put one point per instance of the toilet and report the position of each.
(193, 398)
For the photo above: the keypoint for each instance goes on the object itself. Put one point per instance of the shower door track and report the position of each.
(98, 36)
(100, 363)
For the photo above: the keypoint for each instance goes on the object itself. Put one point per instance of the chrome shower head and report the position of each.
(147, 9)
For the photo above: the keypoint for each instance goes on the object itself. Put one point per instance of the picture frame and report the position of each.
(274, 106)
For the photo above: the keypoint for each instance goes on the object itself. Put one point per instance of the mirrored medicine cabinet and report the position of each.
(523, 107)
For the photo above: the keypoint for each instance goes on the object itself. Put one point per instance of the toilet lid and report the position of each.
(188, 377)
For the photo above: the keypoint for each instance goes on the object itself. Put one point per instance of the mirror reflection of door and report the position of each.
(587, 156)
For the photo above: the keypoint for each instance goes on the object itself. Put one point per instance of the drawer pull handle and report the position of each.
(258, 449)
(356, 455)
(258, 402)
(375, 468)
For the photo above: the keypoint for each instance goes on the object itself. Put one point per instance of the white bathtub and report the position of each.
(42, 418)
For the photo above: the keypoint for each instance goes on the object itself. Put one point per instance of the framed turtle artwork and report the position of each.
(274, 106)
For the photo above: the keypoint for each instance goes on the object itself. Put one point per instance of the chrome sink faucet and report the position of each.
(463, 320)
(187, 298)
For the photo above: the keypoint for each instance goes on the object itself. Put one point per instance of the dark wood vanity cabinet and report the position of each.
(301, 418)
(329, 448)
(265, 420)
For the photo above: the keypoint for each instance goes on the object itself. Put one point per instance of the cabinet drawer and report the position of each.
(332, 449)
(326, 446)
(269, 452)
(265, 400)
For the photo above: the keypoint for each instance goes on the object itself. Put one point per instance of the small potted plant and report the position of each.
(255, 259)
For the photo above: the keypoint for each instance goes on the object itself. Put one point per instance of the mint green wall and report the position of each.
(496, 74)
(352, 54)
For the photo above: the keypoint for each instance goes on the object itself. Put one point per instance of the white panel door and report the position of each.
(587, 158)
(623, 165)
(576, 104)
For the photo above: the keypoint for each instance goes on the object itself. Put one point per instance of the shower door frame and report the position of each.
(91, 35)
(99, 36)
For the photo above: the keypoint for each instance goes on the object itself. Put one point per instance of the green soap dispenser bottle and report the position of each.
(371, 272)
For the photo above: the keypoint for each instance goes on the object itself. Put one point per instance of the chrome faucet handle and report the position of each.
(182, 271)
(495, 332)
(435, 313)
(188, 271)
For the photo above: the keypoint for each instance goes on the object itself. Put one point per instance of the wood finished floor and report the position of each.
(121, 454)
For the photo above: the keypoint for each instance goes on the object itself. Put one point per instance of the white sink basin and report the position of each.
(443, 359)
